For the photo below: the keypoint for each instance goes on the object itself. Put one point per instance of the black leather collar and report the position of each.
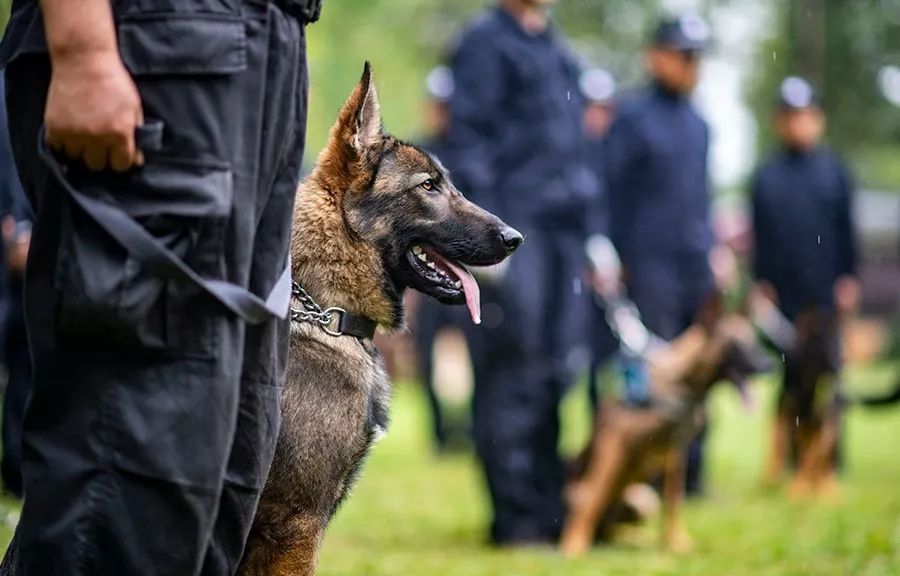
(361, 327)
(348, 324)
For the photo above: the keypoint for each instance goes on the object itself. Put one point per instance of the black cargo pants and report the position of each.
(155, 411)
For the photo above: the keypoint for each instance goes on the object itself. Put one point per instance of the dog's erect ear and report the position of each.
(366, 128)
(711, 311)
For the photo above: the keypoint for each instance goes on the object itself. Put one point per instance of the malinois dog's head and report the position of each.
(731, 352)
(378, 215)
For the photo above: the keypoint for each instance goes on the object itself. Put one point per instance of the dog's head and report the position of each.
(399, 201)
(733, 352)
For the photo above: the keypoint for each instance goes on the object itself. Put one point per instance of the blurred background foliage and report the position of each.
(845, 46)
(850, 48)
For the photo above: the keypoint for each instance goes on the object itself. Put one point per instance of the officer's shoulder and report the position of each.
(631, 104)
(831, 156)
(768, 169)
(482, 29)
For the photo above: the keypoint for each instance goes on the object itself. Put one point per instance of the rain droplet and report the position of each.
(782, 357)
(774, 56)
(797, 422)
(568, 95)
(576, 286)
(819, 239)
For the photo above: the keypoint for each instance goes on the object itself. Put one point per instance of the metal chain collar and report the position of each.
(312, 313)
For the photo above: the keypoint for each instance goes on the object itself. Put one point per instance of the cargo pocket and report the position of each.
(105, 292)
(187, 66)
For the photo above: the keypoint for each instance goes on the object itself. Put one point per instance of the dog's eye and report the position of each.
(427, 185)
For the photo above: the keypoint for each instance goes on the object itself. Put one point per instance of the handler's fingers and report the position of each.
(96, 157)
(54, 141)
(72, 147)
(123, 156)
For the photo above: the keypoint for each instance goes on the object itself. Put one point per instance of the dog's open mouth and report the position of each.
(451, 279)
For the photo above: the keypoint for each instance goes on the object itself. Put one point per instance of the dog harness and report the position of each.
(348, 324)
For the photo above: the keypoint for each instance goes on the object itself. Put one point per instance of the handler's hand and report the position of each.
(93, 108)
(846, 294)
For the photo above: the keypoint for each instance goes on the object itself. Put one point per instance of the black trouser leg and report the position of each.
(18, 363)
(137, 379)
(266, 345)
(514, 422)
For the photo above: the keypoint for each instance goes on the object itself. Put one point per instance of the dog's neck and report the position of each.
(686, 365)
(333, 265)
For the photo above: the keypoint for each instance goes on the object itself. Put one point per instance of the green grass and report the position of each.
(415, 514)
(418, 515)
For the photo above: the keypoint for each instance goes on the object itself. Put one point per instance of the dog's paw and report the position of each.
(679, 542)
(574, 542)
(772, 480)
(829, 490)
(800, 489)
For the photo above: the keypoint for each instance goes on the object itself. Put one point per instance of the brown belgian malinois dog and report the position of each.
(631, 445)
(375, 217)
(807, 426)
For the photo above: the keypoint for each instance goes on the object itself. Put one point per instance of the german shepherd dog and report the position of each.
(807, 419)
(807, 425)
(631, 445)
(376, 216)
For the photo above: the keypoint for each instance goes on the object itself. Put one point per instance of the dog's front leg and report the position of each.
(827, 485)
(674, 536)
(804, 481)
(591, 495)
(779, 448)
(292, 551)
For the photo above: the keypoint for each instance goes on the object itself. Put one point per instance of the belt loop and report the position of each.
(306, 10)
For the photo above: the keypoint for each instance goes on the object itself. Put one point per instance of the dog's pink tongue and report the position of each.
(470, 289)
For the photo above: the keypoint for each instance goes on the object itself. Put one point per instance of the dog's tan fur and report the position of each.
(631, 445)
(356, 219)
(807, 421)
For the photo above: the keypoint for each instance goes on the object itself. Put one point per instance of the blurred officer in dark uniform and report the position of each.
(805, 253)
(517, 147)
(598, 88)
(156, 297)
(431, 316)
(656, 175)
(15, 223)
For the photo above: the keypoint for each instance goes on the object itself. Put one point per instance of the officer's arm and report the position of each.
(79, 27)
(846, 233)
(475, 110)
(93, 105)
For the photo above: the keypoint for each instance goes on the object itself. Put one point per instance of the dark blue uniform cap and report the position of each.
(795, 93)
(689, 33)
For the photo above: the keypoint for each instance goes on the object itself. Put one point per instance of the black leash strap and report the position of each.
(159, 259)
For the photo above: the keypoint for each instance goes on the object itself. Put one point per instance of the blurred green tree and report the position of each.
(842, 46)
(404, 38)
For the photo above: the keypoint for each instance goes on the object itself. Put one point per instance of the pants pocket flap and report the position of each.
(165, 44)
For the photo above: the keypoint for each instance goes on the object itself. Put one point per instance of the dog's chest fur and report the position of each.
(334, 406)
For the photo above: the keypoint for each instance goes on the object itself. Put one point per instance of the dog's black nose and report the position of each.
(511, 239)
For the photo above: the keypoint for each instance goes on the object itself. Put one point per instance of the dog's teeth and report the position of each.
(417, 250)
(422, 257)
(430, 264)
(457, 284)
